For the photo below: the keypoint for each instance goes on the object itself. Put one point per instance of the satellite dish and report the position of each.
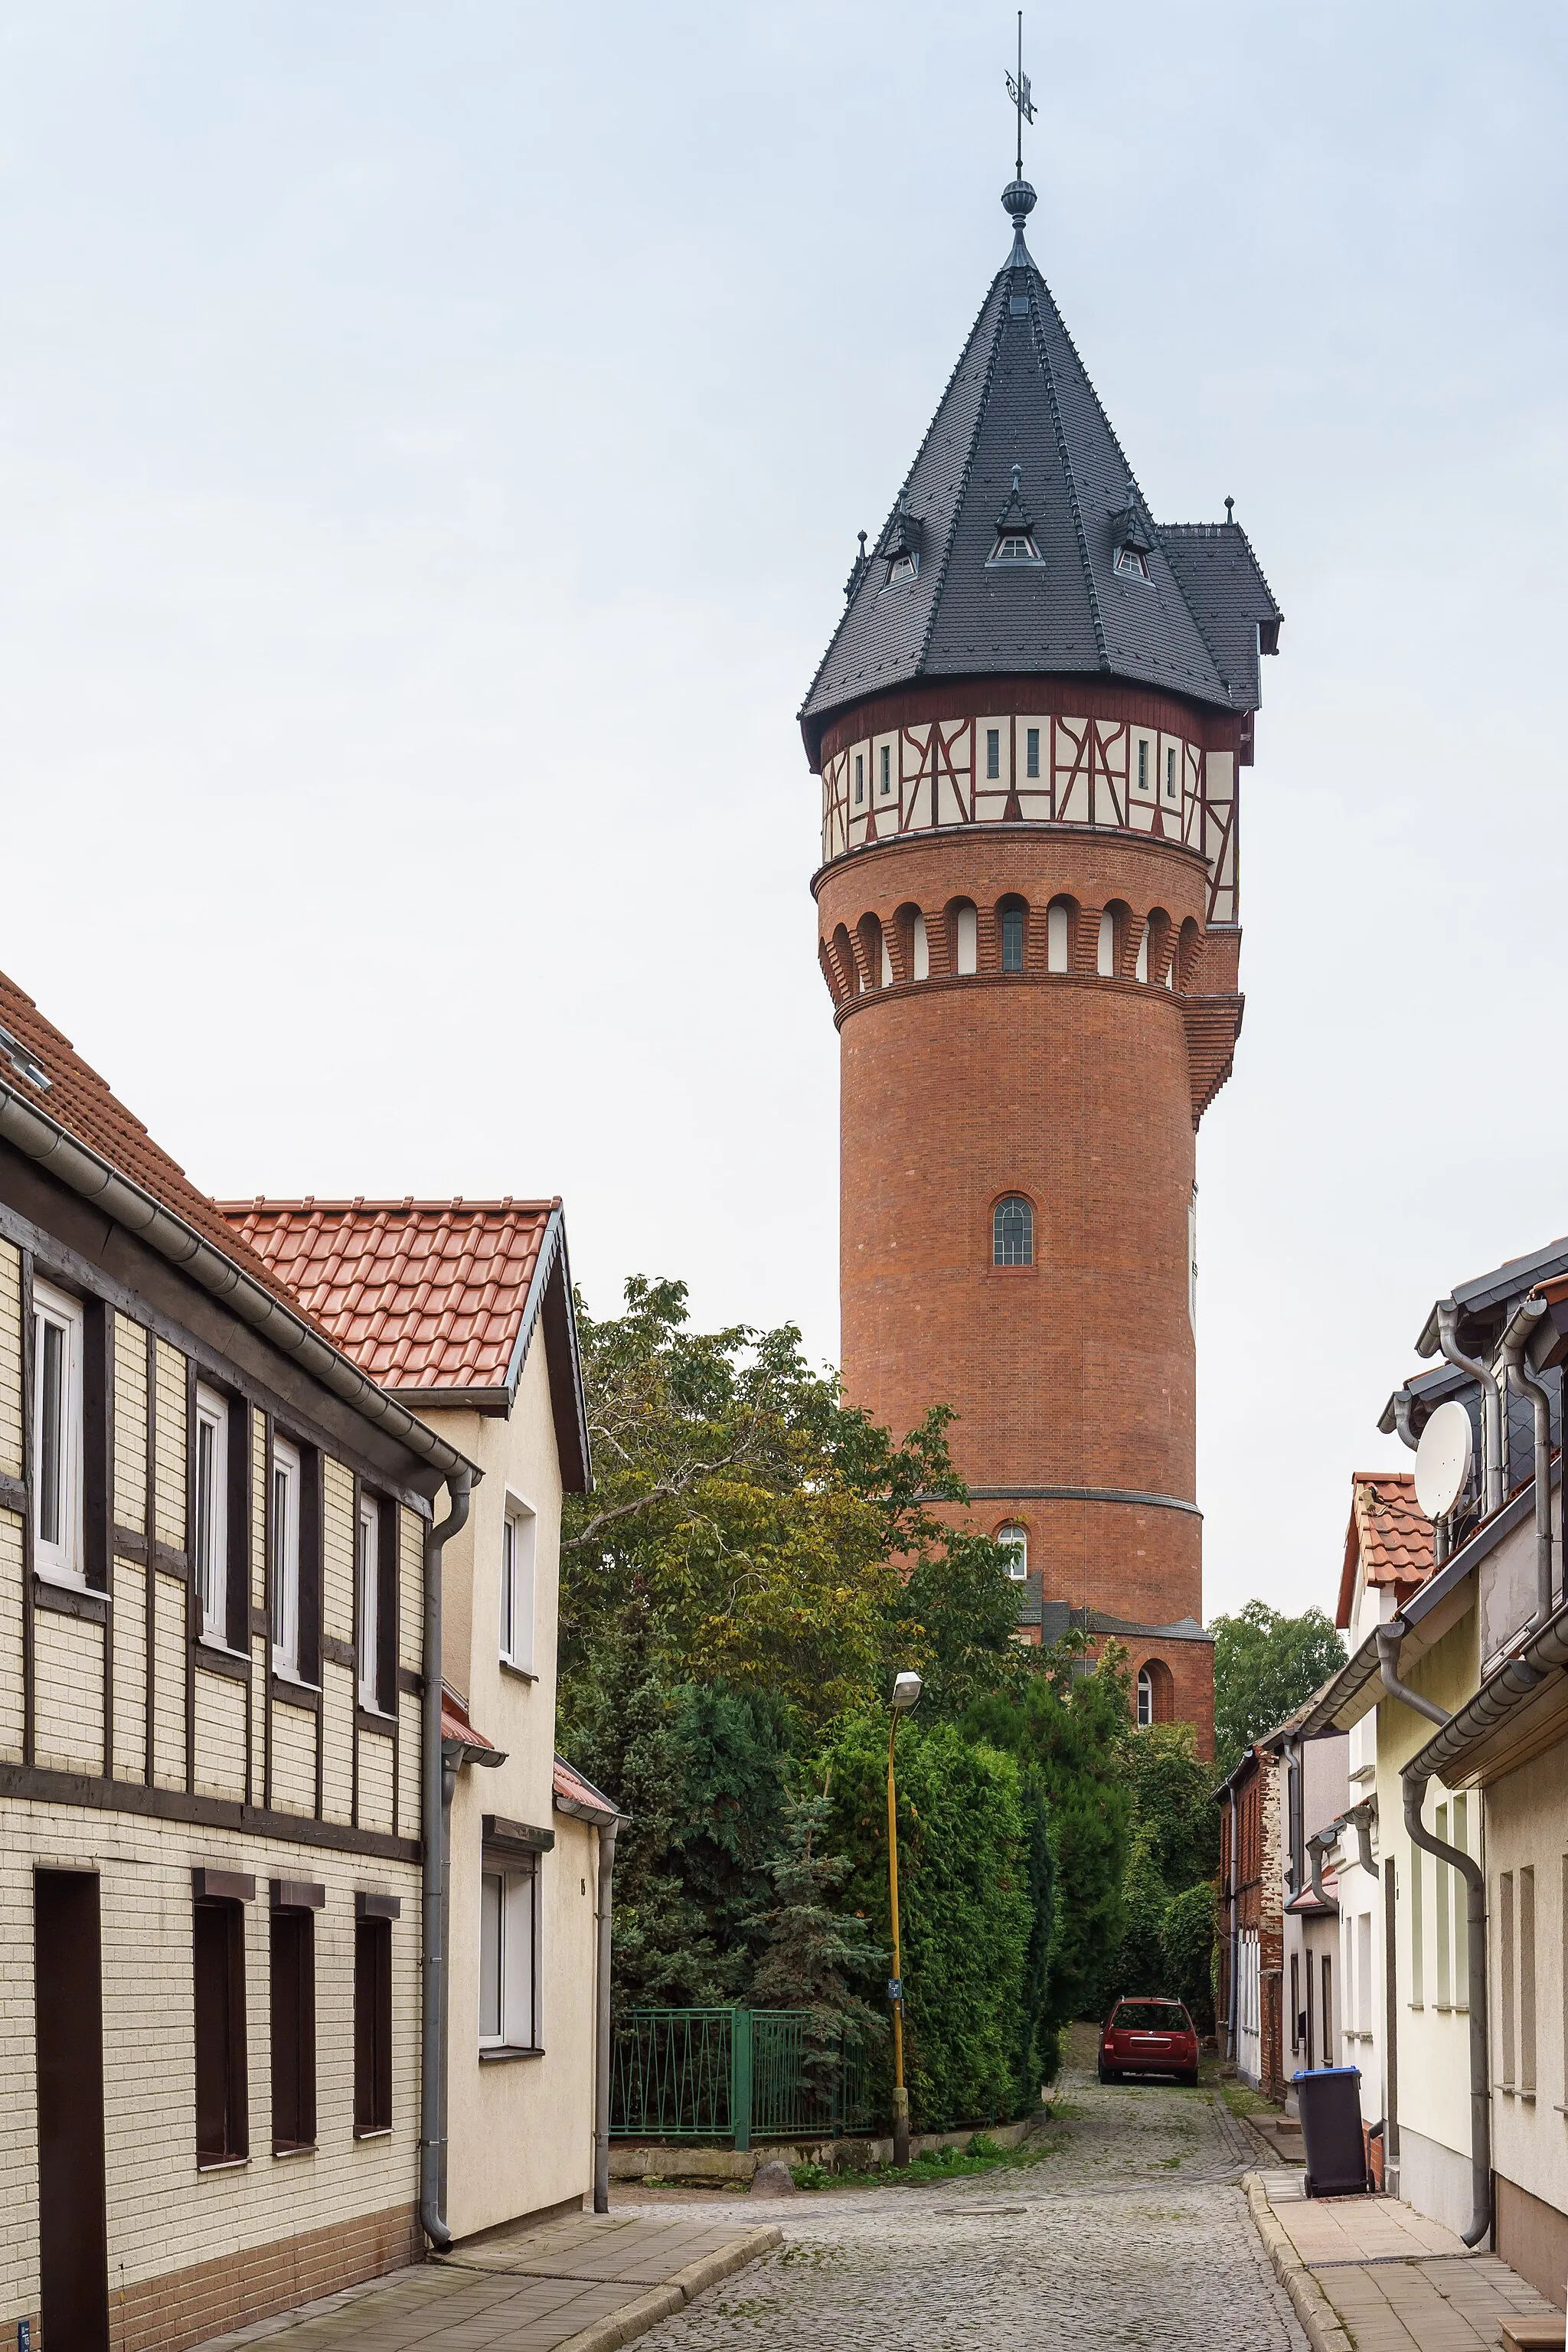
(1443, 1459)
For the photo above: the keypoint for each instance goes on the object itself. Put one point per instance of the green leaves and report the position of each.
(1265, 1664)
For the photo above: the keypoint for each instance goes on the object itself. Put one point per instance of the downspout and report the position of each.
(1491, 1406)
(1234, 1923)
(1296, 1812)
(1389, 1638)
(435, 1800)
(601, 2054)
(1523, 1383)
(1315, 1850)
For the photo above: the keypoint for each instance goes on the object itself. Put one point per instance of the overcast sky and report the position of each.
(432, 441)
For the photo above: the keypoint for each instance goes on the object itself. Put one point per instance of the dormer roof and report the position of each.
(1020, 397)
(1388, 1539)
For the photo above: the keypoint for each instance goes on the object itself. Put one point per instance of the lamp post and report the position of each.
(906, 1691)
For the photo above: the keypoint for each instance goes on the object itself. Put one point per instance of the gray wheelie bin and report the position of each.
(1329, 2102)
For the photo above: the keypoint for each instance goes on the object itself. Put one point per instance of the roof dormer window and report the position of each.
(1014, 542)
(904, 566)
(900, 547)
(1129, 536)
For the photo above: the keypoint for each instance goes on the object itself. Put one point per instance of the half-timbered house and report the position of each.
(216, 1534)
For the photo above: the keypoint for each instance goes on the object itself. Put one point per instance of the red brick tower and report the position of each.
(1029, 727)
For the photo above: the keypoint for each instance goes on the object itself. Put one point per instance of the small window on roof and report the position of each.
(1015, 547)
(1132, 563)
(904, 567)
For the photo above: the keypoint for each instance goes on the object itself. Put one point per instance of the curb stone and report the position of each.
(634, 2319)
(1325, 2331)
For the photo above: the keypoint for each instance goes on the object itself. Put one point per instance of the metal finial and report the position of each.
(1017, 482)
(862, 538)
(1228, 505)
(1018, 91)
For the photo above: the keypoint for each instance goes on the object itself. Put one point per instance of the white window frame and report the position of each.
(519, 1547)
(59, 1560)
(368, 1566)
(1145, 1696)
(212, 1554)
(1013, 1540)
(508, 1954)
(283, 1538)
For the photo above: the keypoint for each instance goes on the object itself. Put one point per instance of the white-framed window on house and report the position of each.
(509, 1930)
(283, 1535)
(517, 1585)
(57, 1435)
(1145, 1699)
(1015, 1541)
(212, 1513)
(370, 1604)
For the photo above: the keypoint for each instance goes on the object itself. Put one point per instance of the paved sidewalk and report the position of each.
(589, 2284)
(1369, 2271)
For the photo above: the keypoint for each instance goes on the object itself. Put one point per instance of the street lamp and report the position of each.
(906, 1691)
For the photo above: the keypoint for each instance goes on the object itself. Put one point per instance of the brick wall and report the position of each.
(1077, 1091)
(180, 2308)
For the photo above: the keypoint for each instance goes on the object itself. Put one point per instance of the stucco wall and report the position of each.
(1525, 1816)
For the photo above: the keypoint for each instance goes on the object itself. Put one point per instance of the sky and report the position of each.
(432, 442)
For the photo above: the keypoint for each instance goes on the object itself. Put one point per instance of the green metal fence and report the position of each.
(727, 2075)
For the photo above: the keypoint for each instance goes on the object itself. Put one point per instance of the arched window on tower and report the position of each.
(1056, 935)
(1015, 1541)
(1145, 1698)
(965, 936)
(1105, 956)
(1012, 1232)
(1156, 1694)
(1012, 912)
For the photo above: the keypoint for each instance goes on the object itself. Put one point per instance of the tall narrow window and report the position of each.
(1506, 1979)
(1105, 957)
(1171, 792)
(1142, 764)
(1015, 1541)
(920, 949)
(1462, 1938)
(1032, 751)
(377, 1687)
(1417, 1970)
(1012, 1232)
(57, 1435)
(284, 1557)
(212, 1514)
(993, 752)
(222, 2130)
(507, 1920)
(887, 769)
(859, 777)
(517, 1586)
(293, 1957)
(1013, 939)
(372, 2027)
(1526, 1979)
(1141, 966)
(1056, 936)
(1442, 1884)
(1145, 1698)
(966, 937)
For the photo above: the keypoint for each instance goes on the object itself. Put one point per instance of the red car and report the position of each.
(1149, 2037)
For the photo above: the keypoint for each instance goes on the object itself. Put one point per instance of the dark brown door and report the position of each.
(69, 2009)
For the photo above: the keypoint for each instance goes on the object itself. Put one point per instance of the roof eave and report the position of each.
(87, 1173)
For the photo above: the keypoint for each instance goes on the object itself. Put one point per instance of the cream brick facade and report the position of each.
(132, 1750)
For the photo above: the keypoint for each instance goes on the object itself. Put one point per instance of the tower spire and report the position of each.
(1018, 197)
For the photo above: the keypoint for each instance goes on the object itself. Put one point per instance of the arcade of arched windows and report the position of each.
(962, 939)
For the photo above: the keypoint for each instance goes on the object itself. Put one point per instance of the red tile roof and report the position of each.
(456, 1725)
(79, 1100)
(424, 1295)
(1388, 1539)
(573, 1792)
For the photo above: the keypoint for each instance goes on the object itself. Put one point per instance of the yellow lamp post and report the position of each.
(906, 1691)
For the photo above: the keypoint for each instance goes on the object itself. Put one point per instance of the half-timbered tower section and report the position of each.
(212, 1538)
(1030, 727)
(463, 1311)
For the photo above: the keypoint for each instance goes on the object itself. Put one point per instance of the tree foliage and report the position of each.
(777, 1538)
(969, 1902)
(1265, 1664)
(814, 1955)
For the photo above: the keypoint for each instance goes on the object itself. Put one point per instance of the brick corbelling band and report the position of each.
(1038, 838)
(180, 2308)
(894, 988)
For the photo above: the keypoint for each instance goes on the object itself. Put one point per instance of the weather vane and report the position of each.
(1018, 91)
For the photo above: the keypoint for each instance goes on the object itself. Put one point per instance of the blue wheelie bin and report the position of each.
(1328, 2102)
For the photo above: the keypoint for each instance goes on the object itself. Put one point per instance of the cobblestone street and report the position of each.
(1132, 2232)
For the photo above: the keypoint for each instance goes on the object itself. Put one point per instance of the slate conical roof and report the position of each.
(1020, 397)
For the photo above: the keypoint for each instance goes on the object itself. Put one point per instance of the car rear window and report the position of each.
(1150, 2017)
